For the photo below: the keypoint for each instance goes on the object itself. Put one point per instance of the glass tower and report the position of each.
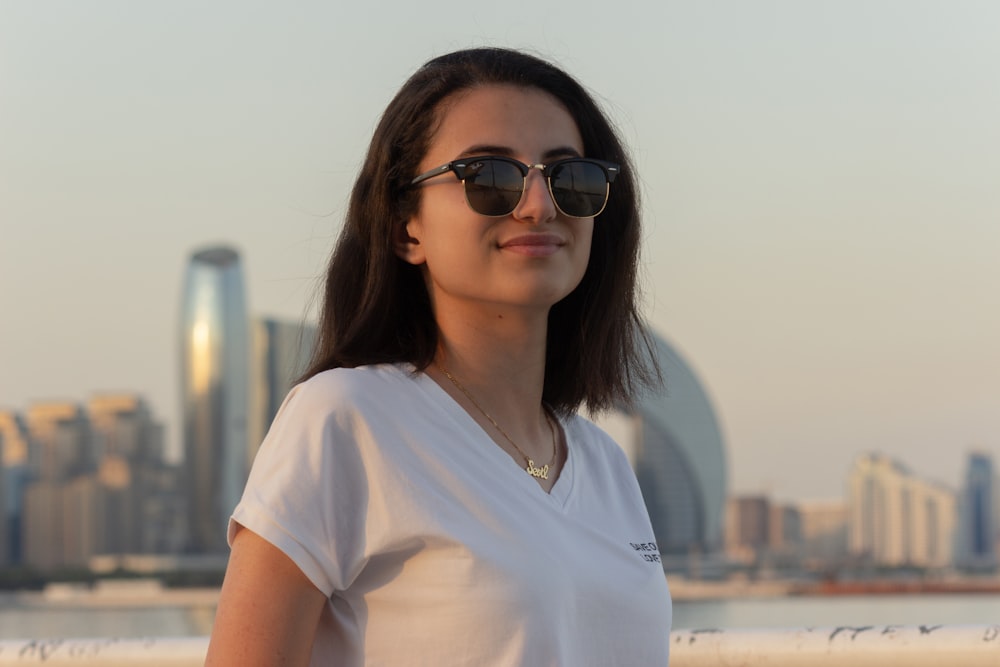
(979, 523)
(214, 380)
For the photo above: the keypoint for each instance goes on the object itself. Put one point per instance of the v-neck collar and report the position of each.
(499, 459)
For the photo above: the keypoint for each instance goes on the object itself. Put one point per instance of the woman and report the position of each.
(427, 495)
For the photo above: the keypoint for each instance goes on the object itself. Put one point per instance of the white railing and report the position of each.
(864, 646)
(159, 652)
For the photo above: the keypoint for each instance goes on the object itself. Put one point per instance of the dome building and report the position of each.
(675, 444)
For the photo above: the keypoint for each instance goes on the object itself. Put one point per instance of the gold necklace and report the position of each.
(530, 467)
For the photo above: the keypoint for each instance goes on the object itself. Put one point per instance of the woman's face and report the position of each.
(528, 259)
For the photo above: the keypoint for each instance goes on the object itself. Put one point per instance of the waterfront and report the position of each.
(120, 612)
(833, 611)
(190, 613)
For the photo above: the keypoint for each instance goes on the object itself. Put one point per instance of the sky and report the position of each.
(820, 180)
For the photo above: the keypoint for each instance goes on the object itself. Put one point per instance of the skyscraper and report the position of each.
(214, 381)
(129, 443)
(61, 451)
(978, 520)
(14, 475)
(280, 354)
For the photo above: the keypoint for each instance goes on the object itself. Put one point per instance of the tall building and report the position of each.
(823, 528)
(214, 377)
(61, 450)
(897, 519)
(281, 352)
(90, 477)
(674, 442)
(784, 529)
(14, 475)
(979, 527)
(751, 517)
(130, 449)
(62, 446)
(748, 527)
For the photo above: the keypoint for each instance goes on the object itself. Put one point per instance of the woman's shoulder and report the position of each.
(352, 389)
(358, 382)
(590, 437)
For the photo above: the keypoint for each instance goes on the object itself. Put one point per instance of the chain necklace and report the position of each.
(530, 467)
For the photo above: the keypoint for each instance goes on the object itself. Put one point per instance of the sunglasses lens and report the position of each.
(493, 187)
(579, 188)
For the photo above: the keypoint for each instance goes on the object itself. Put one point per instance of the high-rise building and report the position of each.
(280, 354)
(61, 448)
(979, 527)
(747, 527)
(14, 475)
(757, 528)
(89, 479)
(674, 442)
(823, 526)
(784, 529)
(751, 516)
(897, 519)
(129, 443)
(214, 377)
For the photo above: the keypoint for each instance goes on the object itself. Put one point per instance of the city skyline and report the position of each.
(819, 196)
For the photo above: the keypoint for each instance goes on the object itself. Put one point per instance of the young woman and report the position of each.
(428, 495)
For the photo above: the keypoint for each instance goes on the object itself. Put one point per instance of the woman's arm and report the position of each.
(268, 609)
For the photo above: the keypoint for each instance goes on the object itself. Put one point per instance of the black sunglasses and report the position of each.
(494, 184)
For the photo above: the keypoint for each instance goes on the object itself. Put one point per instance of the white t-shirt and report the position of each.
(435, 548)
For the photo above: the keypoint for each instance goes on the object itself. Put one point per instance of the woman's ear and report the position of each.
(407, 246)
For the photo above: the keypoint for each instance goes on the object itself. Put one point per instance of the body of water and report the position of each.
(126, 615)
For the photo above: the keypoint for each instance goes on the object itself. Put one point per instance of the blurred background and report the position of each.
(821, 206)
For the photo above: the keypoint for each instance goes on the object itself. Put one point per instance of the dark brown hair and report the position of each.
(376, 308)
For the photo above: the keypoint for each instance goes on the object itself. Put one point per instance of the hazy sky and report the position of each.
(821, 192)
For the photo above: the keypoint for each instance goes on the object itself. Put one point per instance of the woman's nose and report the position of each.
(536, 203)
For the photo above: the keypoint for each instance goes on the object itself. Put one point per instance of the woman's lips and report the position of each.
(534, 245)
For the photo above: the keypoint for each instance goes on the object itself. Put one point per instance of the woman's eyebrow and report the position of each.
(487, 149)
(507, 151)
(562, 151)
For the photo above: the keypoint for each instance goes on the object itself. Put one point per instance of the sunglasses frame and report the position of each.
(461, 168)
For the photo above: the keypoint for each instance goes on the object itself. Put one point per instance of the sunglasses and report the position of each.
(495, 184)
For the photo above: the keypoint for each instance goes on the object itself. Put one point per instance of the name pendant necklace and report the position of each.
(530, 467)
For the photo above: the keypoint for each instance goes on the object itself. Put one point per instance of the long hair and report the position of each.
(376, 308)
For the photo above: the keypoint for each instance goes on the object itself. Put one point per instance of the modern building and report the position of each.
(748, 527)
(214, 386)
(978, 549)
(759, 530)
(784, 529)
(281, 351)
(87, 486)
(129, 442)
(897, 519)
(61, 449)
(62, 446)
(823, 530)
(675, 444)
(14, 475)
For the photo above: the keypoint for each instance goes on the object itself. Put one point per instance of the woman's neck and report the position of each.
(494, 367)
(495, 349)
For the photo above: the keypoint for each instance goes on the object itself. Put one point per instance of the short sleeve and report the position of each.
(307, 491)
